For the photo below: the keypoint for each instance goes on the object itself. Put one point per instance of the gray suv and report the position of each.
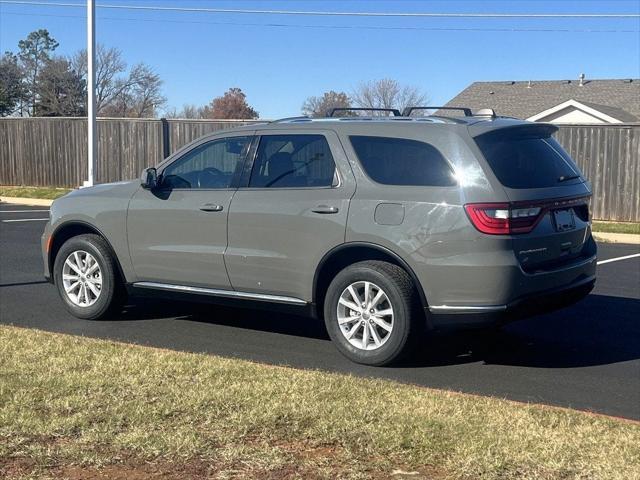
(384, 226)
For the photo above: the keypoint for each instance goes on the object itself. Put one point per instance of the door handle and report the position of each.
(325, 209)
(210, 207)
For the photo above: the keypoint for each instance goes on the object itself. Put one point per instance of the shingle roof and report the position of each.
(524, 99)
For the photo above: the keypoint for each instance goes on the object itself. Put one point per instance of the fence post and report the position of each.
(166, 146)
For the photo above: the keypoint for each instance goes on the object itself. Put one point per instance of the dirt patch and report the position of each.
(135, 471)
(307, 462)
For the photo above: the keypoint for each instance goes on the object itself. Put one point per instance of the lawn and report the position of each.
(46, 193)
(616, 227)
(79, 408)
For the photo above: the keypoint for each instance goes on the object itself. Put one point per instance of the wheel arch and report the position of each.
(348, 253)
(73, 228)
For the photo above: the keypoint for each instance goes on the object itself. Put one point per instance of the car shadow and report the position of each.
(23, 284)
(598, 330)
(143, 308)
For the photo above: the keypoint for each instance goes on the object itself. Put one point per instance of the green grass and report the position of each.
(616, 227)
(45, 193)
(76, 407)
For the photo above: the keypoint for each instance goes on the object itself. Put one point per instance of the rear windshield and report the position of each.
(528, 161)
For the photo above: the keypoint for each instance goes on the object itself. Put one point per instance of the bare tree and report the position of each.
(187, 111)
(146, 91)
(387, 93)
(109, 66)
(321, 106)
(233, 104)
(139, 95)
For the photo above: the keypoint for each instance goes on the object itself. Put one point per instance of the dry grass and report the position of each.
(71, 404)
(45, 193)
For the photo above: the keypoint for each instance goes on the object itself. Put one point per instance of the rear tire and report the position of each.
(384, 324)
(87, 278)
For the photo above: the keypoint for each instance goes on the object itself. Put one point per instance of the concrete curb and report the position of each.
(629, 238)
(31, 202)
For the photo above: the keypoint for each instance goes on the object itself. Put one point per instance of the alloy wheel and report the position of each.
(365, 315)
(82, 278)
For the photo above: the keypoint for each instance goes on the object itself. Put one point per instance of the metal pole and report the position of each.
(92, 146)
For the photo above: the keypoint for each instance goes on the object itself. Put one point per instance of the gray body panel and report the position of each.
(268, 241)
(103, 207)
(276, 240)
(171, 240)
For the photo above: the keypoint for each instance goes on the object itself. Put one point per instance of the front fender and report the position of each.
(102, 209)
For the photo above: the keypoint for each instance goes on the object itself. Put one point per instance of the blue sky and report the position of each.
(199, 56)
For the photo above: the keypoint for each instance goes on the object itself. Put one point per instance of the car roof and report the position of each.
(476, 125)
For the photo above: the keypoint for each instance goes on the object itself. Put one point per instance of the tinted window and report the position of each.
(399, 161)
(527, 161)
(285, 161)
(211, 165)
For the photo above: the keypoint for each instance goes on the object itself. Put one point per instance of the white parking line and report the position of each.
(617, 259)
(22, 211)
(26, 220)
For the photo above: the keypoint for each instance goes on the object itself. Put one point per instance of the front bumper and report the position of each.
(45, 245)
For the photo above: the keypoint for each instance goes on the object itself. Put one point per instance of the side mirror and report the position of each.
(149, 178)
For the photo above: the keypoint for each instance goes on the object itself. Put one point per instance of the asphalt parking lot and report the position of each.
(586, 356)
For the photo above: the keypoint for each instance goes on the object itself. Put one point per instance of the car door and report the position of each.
(290, 211)
(177, 232)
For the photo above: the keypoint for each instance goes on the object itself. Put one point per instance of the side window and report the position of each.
(400, 161)
(286, 161)
(211, 165)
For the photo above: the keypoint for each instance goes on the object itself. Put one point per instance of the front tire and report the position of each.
(372, 313)
(86, 276)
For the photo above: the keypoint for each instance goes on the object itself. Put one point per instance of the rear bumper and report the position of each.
(526, 294)
(524, 307)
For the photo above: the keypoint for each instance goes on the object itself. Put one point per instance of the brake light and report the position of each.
(501, 218)
(491, 218)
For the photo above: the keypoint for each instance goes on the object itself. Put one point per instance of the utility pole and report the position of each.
(92, 140)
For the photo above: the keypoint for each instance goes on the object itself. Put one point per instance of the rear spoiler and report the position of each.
(518, 129)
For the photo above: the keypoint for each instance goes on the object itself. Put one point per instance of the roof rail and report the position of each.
(395, 111)
(288, 119)
(407, 111)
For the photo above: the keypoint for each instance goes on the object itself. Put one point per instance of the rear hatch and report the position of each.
(548, 212)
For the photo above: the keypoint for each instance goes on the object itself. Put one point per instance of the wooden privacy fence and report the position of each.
(609, 156)
(53, 152)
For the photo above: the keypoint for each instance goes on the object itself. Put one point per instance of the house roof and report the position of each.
(618, 98)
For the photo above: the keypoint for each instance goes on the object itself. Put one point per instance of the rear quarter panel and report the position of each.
(435, 238)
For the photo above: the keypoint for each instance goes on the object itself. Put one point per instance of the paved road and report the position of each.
(586, 356)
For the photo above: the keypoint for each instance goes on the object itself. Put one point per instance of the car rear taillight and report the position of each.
(502, 218)
(583, 212)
